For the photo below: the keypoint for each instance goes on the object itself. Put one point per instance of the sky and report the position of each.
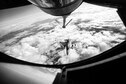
(15, 15)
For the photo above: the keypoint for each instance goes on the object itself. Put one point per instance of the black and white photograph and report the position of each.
(62, 41)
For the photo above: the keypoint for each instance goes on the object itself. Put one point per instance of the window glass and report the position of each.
(40, 38)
